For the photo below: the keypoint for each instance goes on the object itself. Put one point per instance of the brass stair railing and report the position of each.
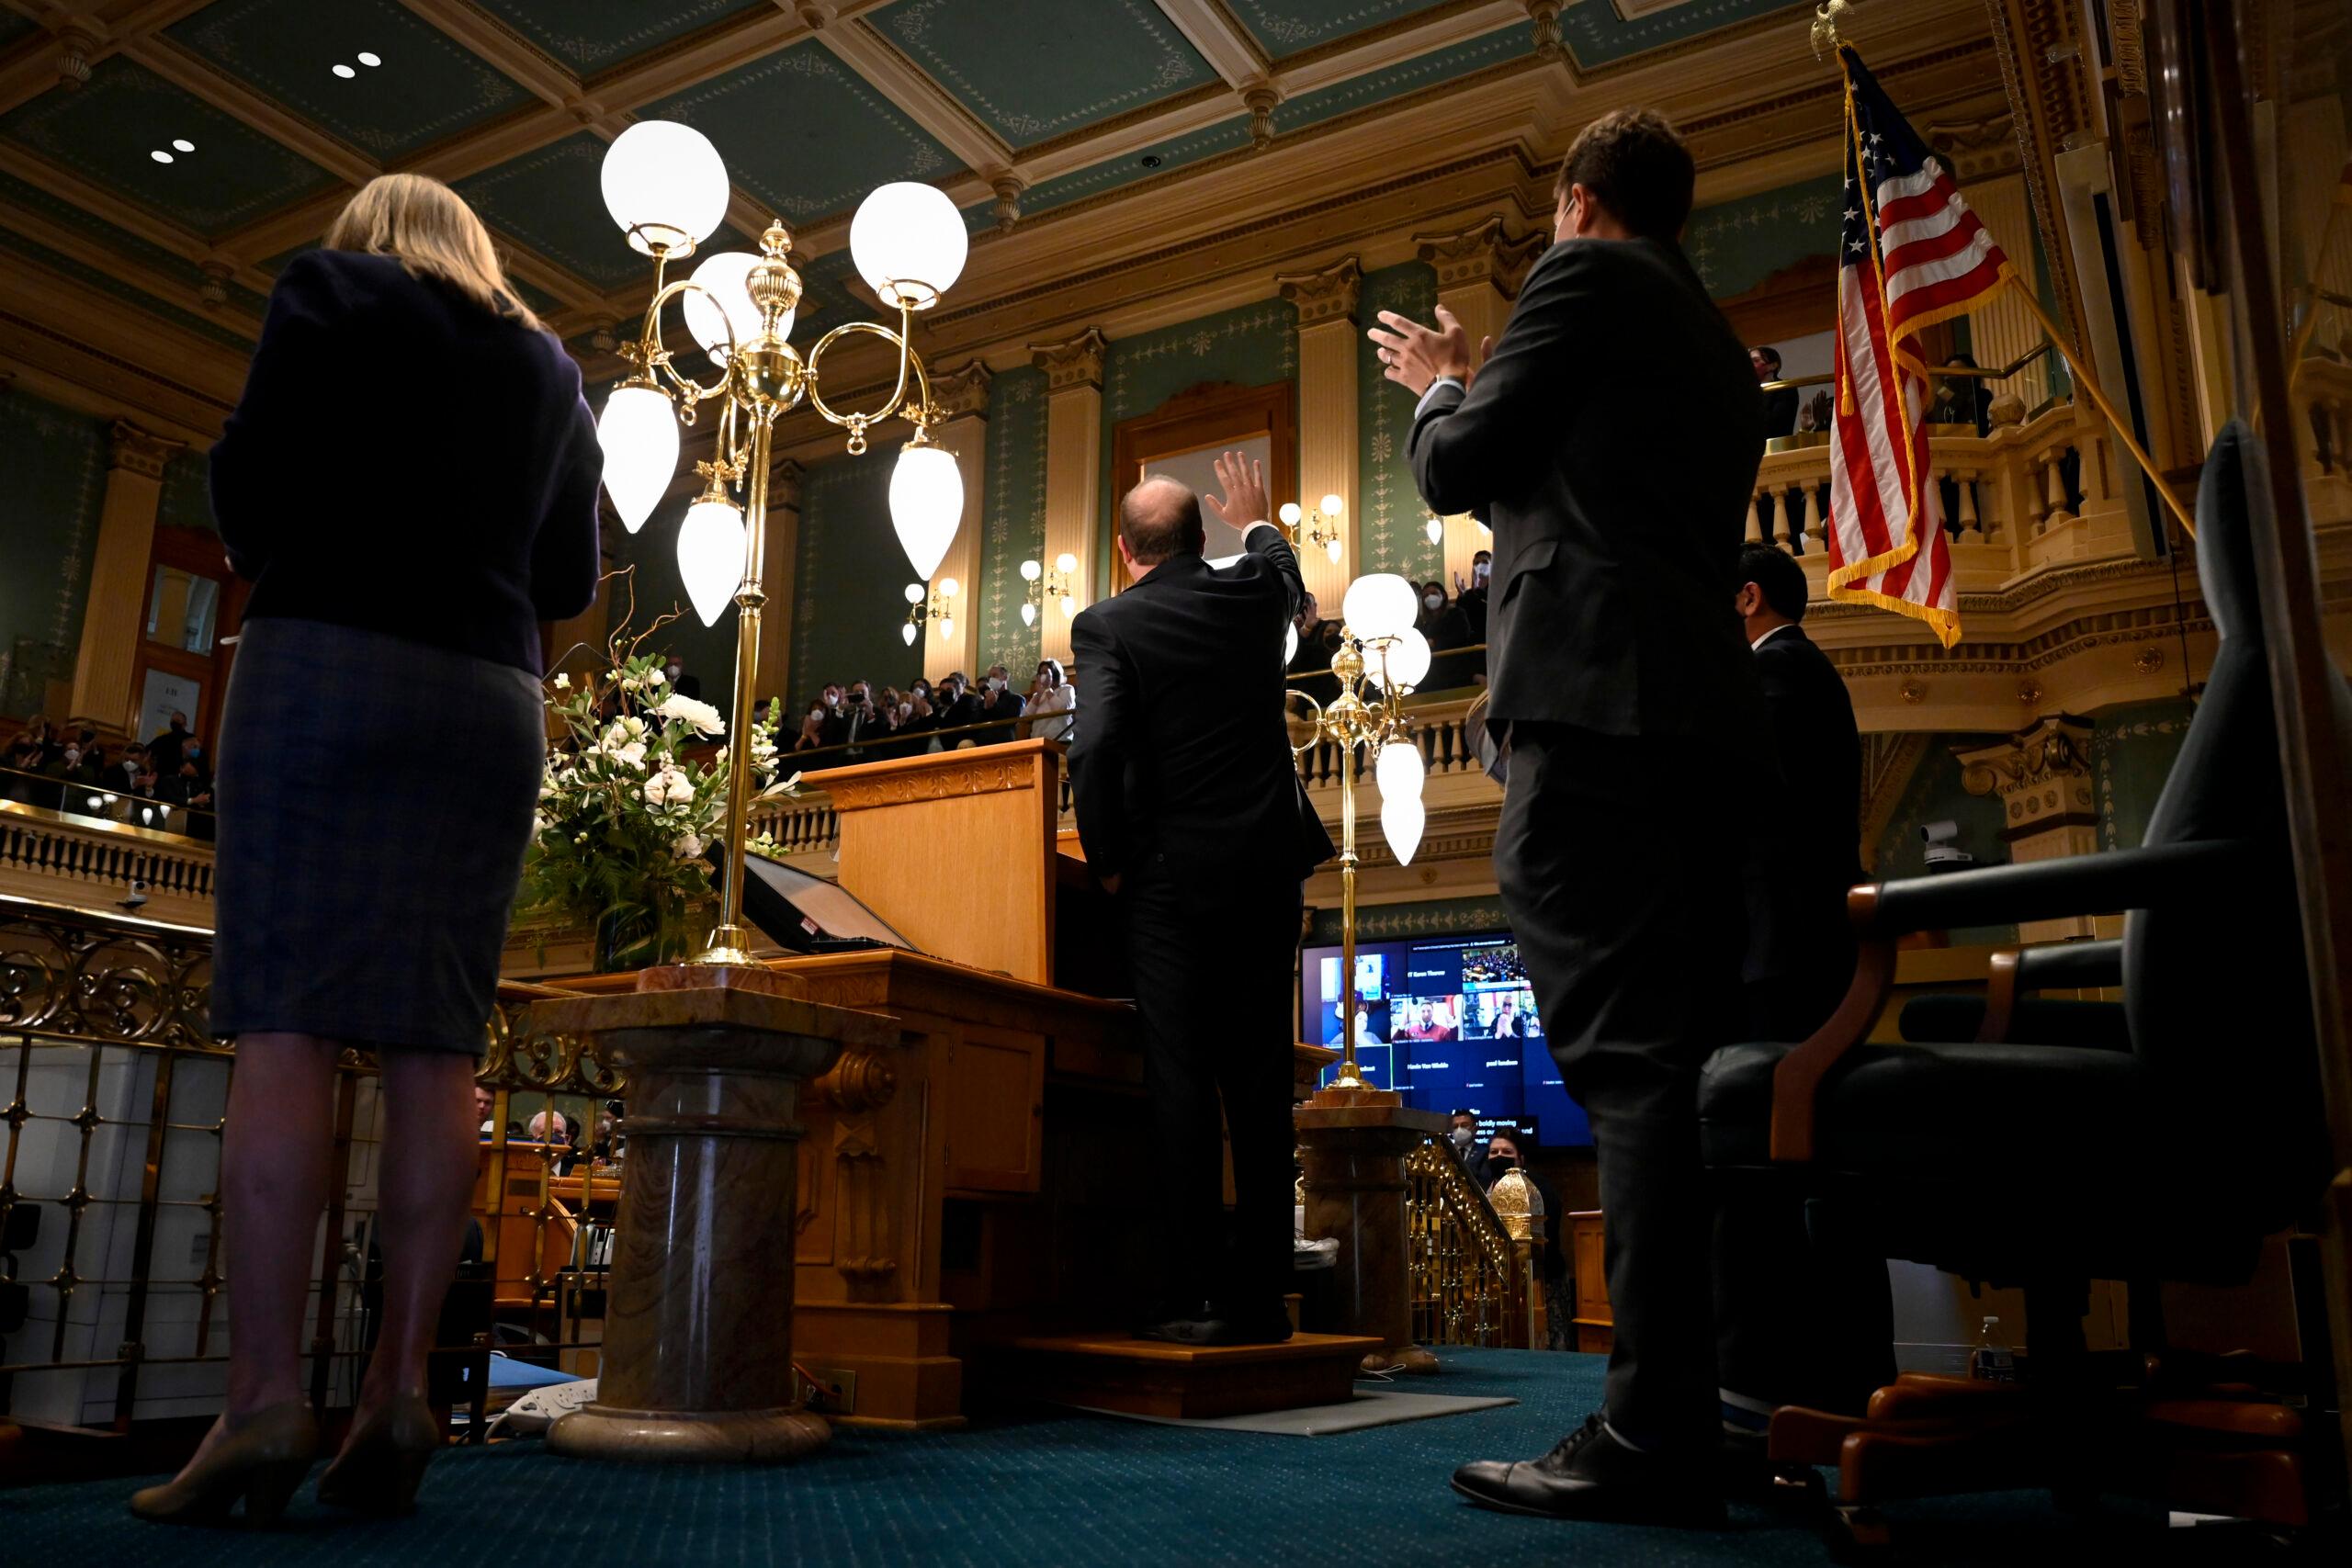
(1472, 1282)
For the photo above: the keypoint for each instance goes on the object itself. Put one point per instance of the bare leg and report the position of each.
(272, 1185)
(425, 1188)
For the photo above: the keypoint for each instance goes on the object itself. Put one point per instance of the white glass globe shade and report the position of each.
(1028, 613)
(1401, 770)
(1402, 818)
(639, 431)
(914, 592)
(1290, 513)
(947, 588)
(926, 504)
(723, 273)
(1031, 571)
(665, 184)
(1066, 562)
(710, 556)
(908, 233)
(907, 634)
(1333, 506)
(1405, 659)
(1379, 604)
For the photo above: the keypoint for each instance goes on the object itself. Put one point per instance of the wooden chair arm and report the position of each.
(1796, 1079)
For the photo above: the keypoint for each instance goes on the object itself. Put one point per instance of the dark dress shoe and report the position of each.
(1590, 1474)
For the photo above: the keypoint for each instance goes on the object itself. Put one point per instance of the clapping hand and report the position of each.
(1413, 355)
(1243, 479)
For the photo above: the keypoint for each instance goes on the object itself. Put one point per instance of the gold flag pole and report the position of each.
(2099, 401)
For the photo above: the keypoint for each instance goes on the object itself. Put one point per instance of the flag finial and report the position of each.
(1824, 26)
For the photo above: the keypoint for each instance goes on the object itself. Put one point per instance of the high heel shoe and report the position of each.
(384, 1459)
(261, 1459)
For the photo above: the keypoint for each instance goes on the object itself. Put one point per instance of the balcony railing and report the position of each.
(1472, 1283)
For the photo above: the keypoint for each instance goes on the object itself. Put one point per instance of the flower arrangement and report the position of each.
(628, 810)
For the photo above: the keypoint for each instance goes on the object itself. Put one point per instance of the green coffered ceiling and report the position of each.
(284, 106)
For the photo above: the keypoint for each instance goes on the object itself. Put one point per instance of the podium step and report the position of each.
(1113, 1370)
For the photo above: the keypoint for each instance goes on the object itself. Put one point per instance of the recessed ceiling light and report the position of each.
(369, 57)
(1149, 160)
(160, 155)
(182, 144)
(345, 71)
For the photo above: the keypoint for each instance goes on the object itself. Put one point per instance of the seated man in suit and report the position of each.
(1195, 820)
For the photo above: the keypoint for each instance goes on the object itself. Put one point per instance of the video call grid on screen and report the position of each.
(1451, 1023)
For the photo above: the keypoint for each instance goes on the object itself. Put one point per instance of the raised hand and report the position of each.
(1243, 479)
(1413, 356)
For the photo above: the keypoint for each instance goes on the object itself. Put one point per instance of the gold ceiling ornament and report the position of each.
(1380, 659)
(1544, 16)
(1260, 101)
(667, 189)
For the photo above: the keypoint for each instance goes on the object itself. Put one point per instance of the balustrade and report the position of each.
(1471, 1282)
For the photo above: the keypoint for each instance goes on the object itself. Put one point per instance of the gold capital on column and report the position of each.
(141, 451)
(784, 482)
(963, 390)
(1324, 296)
(1074, 362)
(1488, 251)
(2042, 776)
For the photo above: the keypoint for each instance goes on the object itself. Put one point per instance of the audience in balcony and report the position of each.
(684, 684)
(1050, 703)
(1781, 406)
(996, 699)
(813, 728)
(165, 747)
(1963, 400)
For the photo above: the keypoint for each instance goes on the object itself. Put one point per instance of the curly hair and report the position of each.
(1634, 165)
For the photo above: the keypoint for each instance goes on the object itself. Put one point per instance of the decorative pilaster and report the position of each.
(2042, 779)
(963, 395)
(781, 580)
(1073, 467)
(1327, 416)
(1478, 275)
(116, 619)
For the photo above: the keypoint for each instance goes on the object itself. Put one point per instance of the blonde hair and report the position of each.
(435, 234)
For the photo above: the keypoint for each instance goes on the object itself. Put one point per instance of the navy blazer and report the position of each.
(403, 461)
(1611, 443)
(1182, 756)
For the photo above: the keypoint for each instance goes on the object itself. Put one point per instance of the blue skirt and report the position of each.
(375, 799)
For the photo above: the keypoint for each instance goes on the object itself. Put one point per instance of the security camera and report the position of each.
(138, 896)
(1942, 854)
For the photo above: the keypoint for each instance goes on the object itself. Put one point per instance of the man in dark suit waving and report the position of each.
(1611, 441)
(1193, 818)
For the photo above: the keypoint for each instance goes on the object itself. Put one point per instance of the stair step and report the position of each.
(1113, 1370)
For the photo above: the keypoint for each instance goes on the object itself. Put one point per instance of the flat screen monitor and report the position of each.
(1451, 1023)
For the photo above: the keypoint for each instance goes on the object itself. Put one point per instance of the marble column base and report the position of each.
(673, 1437)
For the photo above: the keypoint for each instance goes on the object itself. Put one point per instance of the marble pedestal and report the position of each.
(697, 1354)
(1354, 1143)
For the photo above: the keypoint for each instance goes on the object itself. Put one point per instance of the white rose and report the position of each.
(654, 677)
(632, 754)
(671, 786)
(635, 726)
(689, 846)
(563, 682)
(701, 717)
(538, 824)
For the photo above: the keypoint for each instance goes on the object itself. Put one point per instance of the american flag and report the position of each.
(1910, 254)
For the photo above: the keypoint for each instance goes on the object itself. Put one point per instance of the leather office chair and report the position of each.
(2048, 1165)
(2011, 1007)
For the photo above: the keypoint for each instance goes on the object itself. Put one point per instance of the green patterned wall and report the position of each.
(187, 501)
(1394, 922)
(1249, 346)
(709, 651)
(1389, 531)
(851, 581)
(1013, 520)
(56, 463)
(2132, 750)
(1737, 244)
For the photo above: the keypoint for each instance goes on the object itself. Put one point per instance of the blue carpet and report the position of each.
(1069, 1490)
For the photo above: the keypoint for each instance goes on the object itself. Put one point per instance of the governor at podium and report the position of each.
(1194, 820)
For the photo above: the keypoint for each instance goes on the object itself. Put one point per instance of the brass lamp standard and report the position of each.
(667, 189)
(1375, 668)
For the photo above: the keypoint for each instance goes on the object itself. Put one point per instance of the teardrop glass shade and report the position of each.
(1402, 818)
(1401, 770)
(639, 431)
(1290, 643)
(926, 505)
(1028, 615)
(710, 556)
(907, 634)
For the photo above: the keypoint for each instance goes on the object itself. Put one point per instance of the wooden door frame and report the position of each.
(200, 553)
(1212, 414)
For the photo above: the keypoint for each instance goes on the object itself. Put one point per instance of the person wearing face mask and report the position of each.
(1445, 628)
(685, 685)
(998, 701)
(1472, 601)
(165, 747)
(1506, 1152)
(1050, 695)
(1462, 1138)
(958, 705)
(860, 721)
(813, 728)
(836, 726)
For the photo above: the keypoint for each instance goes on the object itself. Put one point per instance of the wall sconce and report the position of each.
(1061, 582)
(939, 606)
(1321, 528)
